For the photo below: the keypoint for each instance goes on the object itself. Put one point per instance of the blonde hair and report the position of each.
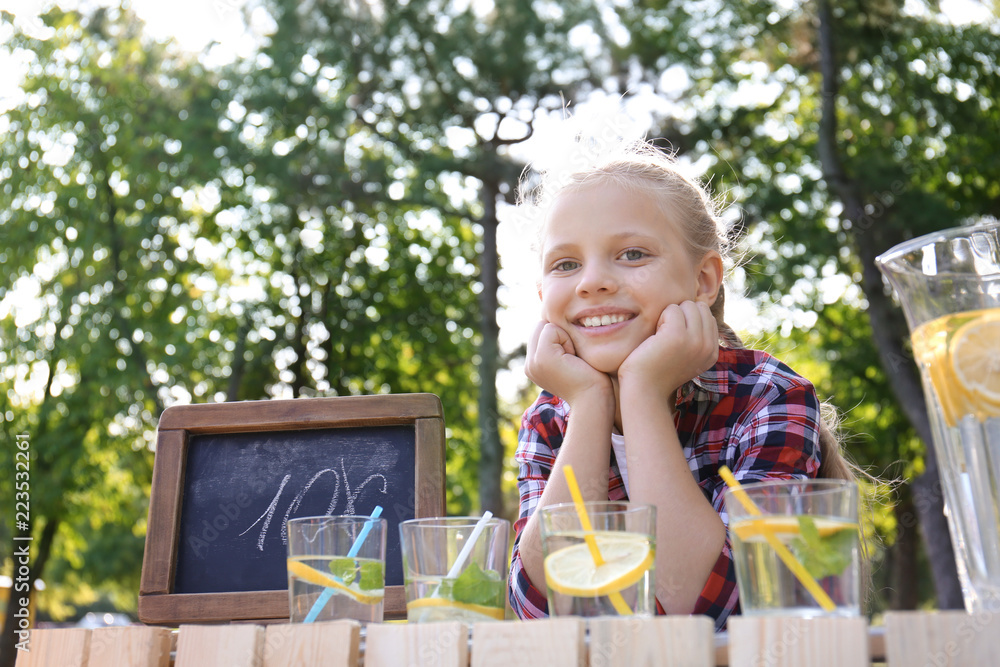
(640, 167)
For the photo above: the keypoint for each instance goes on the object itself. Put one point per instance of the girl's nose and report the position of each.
(596, 278)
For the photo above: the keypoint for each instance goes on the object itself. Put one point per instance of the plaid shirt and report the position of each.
(750, 412)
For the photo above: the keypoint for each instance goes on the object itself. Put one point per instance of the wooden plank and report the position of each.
(215, 645)
(159, 557)
(672, 641)
(550, 642)
(941, 638)
(271, 415)
(131, 646)
(271, 606)
(430, 469)
(784, 641)
(444, 644)
(876, 646)
(52, 647)
(331, 644)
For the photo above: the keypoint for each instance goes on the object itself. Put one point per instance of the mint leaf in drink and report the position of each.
(823, 556)
(478, 586)
(344, 569)
(372, 577)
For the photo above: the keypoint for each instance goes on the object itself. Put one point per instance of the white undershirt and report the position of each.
(618, 444)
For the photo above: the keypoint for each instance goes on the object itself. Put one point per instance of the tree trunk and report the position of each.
(903, 590)
(42, 550)
(238, 367)
(491, 449)
(887, 328)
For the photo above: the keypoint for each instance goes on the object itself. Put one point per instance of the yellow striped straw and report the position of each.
(588, 534)
(791, 562)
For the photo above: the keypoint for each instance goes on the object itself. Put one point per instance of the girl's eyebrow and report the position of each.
(558, 249)
(630, 237)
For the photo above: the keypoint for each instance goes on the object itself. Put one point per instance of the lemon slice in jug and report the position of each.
(976, 361)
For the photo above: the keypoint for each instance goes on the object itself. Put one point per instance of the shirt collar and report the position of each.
(716, 380)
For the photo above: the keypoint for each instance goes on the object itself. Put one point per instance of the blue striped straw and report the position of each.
(327, 593)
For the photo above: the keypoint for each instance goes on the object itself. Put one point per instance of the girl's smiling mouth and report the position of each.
(602, 320)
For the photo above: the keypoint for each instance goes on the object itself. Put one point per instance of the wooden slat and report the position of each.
(270, 415)
(551, 642)
(429, 501)
(444, 644)
(270, 606)
(876, 646)
(942, 639)
(794, 642)
(218, 645)
(664, 640)
(63, 647)
(159, 559)
(331, 644)
(132, 646)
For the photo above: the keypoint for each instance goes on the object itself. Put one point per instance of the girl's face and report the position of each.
(611, 262)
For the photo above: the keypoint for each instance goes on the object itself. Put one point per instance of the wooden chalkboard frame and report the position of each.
(158, 603)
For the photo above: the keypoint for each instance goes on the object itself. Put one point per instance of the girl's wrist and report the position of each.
(643, 398)
(596, 399)
(634, 391)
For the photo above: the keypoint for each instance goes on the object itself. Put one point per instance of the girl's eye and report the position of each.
(565, 265)
(633, 254)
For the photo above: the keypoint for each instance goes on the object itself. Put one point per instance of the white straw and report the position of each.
(463, 555)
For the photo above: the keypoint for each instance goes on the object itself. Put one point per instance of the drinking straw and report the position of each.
(588, 535)
(328, 592)
(463, 555)
(459, 563)
(791, 562)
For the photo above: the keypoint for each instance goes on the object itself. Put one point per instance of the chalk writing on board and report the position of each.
(340, 478)
(239, 489)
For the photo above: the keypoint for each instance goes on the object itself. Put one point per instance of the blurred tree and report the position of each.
(422, 123)
(849, 128)
(99, 171)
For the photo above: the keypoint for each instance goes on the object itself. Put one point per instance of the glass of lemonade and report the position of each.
(816, 520)
(442, 587)
(336, 568)
(622, 536)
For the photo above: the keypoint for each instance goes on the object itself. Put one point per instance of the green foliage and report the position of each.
(93, 181)
(312, 220)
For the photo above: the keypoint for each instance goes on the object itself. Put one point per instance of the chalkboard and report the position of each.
(228, 475)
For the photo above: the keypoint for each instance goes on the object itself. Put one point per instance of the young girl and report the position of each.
(637, 393)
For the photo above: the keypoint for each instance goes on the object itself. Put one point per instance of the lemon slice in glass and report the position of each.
(755, 527)
(432, 609)
(975, 360)
(314, 576)
(571, 570)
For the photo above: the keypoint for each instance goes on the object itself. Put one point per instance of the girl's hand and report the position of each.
(685, 344)
(552, 364)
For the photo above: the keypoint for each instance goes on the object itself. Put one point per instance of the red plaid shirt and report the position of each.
(750, 412)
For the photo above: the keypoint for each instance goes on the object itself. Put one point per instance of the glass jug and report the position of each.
(949, 285)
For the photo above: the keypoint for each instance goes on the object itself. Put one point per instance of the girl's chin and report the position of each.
(605, 364)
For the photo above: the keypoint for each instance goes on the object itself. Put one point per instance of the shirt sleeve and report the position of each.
(540, 436)
(775, 436)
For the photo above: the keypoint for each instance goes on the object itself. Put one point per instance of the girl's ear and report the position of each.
(709, 278)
